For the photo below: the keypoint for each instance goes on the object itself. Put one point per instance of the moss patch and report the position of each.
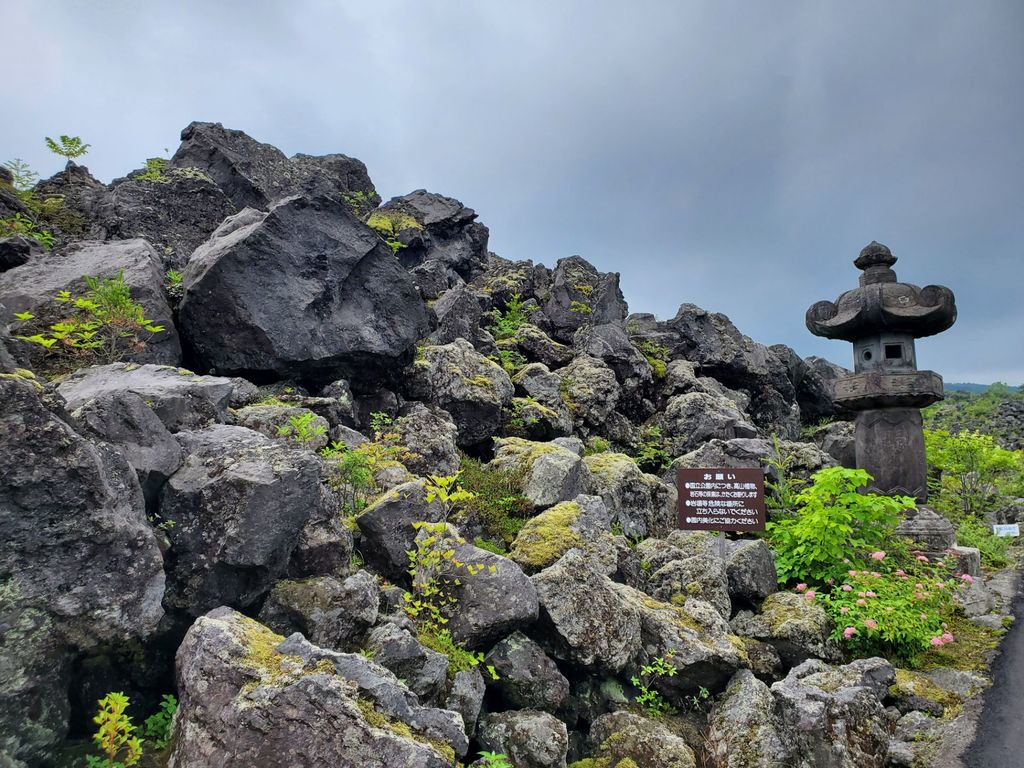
(972, 650)
(548, 536)
(381, 721)
(912, 684)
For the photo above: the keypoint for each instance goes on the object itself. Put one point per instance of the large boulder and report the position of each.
(798, 628)
(504, 279)
(431, 438)
(262, 280)
(17, 250)
(425, 671)
(693, 419)
(610, 343)
(387, 527)
(460, 313)
(433, 227)
(640, 503)
(33, 286)
(527, 677)
(590, 391)
(179, 398)
(580, 295)
(550, 472)
(750, 566)
(625, 738)
(254, 174)
(582, 523)
(529, 738)
(248, 697)
(237, 509)
(674, 575)
(458, 379)
(80, 566)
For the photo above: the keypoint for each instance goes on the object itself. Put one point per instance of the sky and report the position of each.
(732, 155)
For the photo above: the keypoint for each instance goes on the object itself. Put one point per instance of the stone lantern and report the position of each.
(882, 318)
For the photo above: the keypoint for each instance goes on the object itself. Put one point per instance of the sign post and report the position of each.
(721, 499)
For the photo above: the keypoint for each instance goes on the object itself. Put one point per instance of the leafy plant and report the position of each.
(380, 422)
(972, 473)
(579, 307)
(114, 735)
(649, 698)
(509, 358)
(351, 476)
(657, 357)
(154, 171)
(157, 727)
(498, 504)
(23, 178)
(506, 324)
(460, 659)
(835, 525)
(595, 445)
(783, 490)
(994, 550)
(495, 760)
(389, 224)
(68, 146)
(301, 429)
(20, 224)
(104, 324)
(651, 455)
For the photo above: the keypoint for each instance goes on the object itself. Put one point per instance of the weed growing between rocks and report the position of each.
(114, 737)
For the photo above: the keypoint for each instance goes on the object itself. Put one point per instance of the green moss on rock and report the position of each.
(547, 537)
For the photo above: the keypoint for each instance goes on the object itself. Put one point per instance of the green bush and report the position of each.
(498, 505)
(834, 526)
(973, 532)
(651, 455)
(972, 475)
(114, 737)
(505, 325)
(157, 727)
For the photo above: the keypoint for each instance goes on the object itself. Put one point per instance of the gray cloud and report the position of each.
(734, 155)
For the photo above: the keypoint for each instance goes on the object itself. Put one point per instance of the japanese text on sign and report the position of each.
(721, 499)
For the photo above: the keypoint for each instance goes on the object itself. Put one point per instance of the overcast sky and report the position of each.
(733, 155)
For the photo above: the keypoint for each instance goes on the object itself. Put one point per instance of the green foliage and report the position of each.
(494, 760)
(649, 698)
(498, 504)
(651, 455)
(101, 326)
(972, 475)
(114, 737)
(781, 498)
(490, 546)
(994, 550)
(834, 524)
(351, 476)
(174, 278)
(68, 146)
(509, 358)
(23, 178)
(595, 445)
(657, 356)
(154, 171)
(157, 727)
(505, 325)
(447, 490)
(893, 612)
(301, 430)
(380, 422)
(459, 659)
(579, 308)
(388, 224)
(20, 224)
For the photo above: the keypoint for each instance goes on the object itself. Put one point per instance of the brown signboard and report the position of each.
(721, 499)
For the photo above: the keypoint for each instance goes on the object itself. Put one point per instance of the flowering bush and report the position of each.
(896, 613)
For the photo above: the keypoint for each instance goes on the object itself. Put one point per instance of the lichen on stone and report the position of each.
(548, 536)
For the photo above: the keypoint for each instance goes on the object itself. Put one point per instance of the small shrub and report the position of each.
(350, 476)
(595, 445)
(157, 727)
(579, 308)
(994, 550)
(19, 224)
(68, 147)
(781, 498)
(835, 525)
(23, 179)
(495, 760)
(459, 659)
(511, 359)
(651, 455)
(506, 324)
(154, 171)
(973, 475)
(114, 736)
(498, 504)
(657, 357)
(447, 490)
(388, 224)
(301, 430)
(649, 698)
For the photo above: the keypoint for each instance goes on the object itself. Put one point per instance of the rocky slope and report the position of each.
(163, 532)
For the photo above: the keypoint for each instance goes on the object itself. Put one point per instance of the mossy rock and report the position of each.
(545, 538)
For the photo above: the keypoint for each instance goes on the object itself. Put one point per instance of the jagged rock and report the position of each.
(17, 250)
(583, 618)
(623, 738)
(80, 565)
(640, 503)
(176, 214)
(819, 715)
(387, 527)
(530, 739)
(123, 419)
(683, 577)
(255, 174)
(799, 628)
(537, 346)
(82, 198)
(837, 440)
(270, 420)
(550, 472)
(490, 603)
(589, 390)
(248, 699)
(262, 280)
(423, 670)
(330, 612)
(179, 398)
(914, 691)
(580, 295)
(537, 383)
(806, 459)
(466, 696)
(460, 314)
(430, 436)
(433, 278)
(691, 420)
(238, 506)
(33, 286)
(692, 637)
(813, 390)
(582, 523)
(750, 566)
(504, 279)
(527, 678)
(458, 379)
(610, 343)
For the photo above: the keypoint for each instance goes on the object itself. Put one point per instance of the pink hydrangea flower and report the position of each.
(810, 594)
(869, 593)
(850, 632)
(876, 574)
(900, 572)
(852, 573)
(919, 585)
(871, 624)
(862, 594)
(844, 610)
(880, 555)
(947, 637)
(862, 601)
(847, 588)
(968, 578)
(922, 558)
(801, 587)
(936, 641)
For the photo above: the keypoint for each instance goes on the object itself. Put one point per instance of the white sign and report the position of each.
(1006, 530)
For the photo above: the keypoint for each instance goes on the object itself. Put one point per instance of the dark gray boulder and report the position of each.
(387, 527)
(624, 738)
(255, 289)
(33, 286)
(529, 738)
(751, 569)
(248, 697)
(798, 628)
(255, 174)
(460, 313)
(466, 696)
(17, 250)
(80, 566)
(527, 677)
(692, 419)
(580, 295)
(238, 506)
(179, 398)
(423, 670)
(433, 227)
(504, 279)
(431, 437)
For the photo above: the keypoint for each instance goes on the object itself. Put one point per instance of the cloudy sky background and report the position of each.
(733, 155)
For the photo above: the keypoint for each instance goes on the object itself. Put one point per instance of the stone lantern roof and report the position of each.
(882, 305)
